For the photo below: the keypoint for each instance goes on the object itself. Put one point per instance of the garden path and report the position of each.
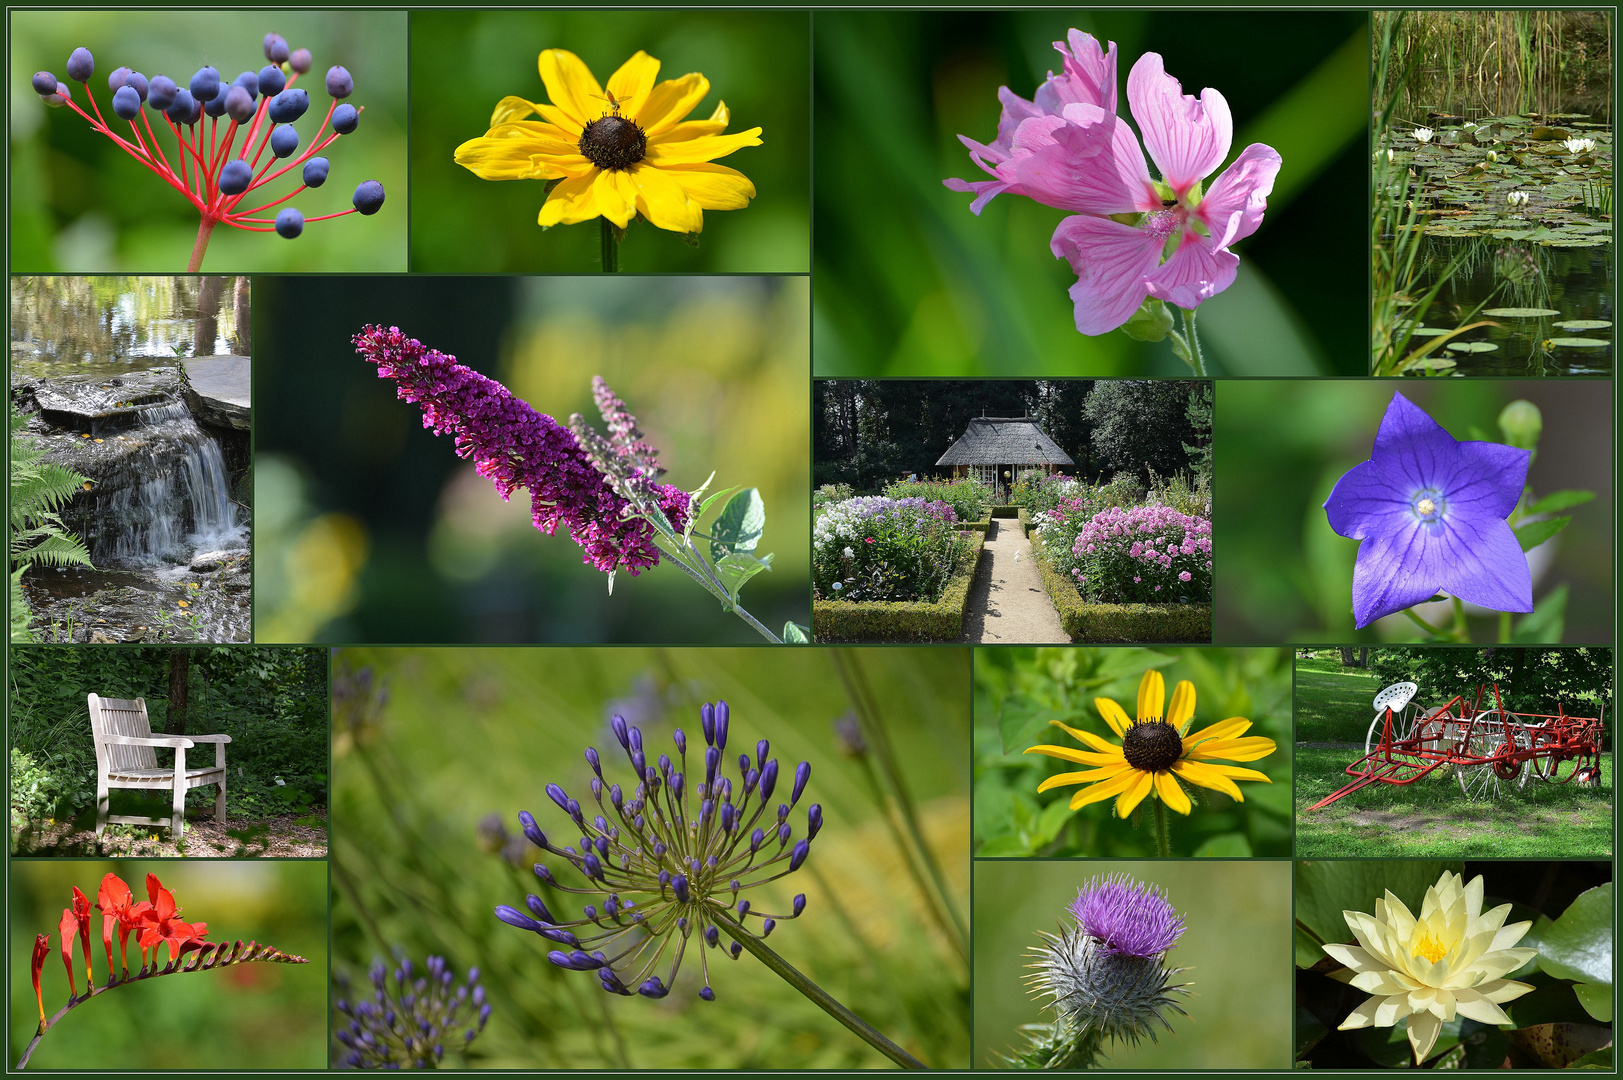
(1008, 605)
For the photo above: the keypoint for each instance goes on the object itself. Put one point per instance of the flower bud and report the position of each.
(299, 60)
(236, 176)
(81, 65)
(1522, 424)
(339, 83)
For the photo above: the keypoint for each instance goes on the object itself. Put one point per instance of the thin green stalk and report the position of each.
(814, 993)
(1196, 360)
(1461, 630)
(610, 244)
(1422, 623)
(1163, 846)
(1504, 627)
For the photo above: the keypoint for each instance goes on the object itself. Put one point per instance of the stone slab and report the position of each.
(221, 390)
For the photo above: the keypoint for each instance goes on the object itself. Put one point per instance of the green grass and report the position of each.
(1432, 818)
(1333, 703)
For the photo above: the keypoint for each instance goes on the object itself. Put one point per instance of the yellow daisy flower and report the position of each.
(618, 151)
(1155, 754)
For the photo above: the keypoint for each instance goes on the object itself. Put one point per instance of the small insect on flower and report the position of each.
(669, 859)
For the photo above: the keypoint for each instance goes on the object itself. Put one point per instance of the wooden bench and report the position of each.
(126, 757)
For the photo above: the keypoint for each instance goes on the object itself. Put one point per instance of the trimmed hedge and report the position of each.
(874, 620)
(1135, 624)
(1006, 511)
(983, 526)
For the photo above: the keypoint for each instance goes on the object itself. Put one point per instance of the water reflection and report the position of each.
(107, 325)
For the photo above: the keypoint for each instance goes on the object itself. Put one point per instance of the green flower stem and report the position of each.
(1504, 627)
(1422, 623)
(814, 993)
(611, 246)
(1186, 346)
(1163, 846)
(1462, 632)
(695, 566)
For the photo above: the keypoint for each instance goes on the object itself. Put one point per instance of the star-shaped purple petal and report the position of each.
(1431, 514)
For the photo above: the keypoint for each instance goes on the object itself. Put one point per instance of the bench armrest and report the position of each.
(210, 738)
(133, 740)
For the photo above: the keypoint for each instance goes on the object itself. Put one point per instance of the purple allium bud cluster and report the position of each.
(1107, 976)
(669, 859)
(516, 447)
(406, 1022)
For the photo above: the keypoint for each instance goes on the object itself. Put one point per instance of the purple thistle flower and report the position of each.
(1127, 918)
(1431, 514)
(516, 447)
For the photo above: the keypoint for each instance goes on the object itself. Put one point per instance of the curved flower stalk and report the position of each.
(156, 923)
(1106, 977)
(1156, 753)
(616, 152)
(667, 861)
(604, 491)
(1135, 243)
(1450, 960)
(210, 170)
(405, 1024)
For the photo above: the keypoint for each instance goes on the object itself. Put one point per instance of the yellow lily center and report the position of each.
(1427, 946)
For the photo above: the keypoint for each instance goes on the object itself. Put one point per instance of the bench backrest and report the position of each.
(117, 716)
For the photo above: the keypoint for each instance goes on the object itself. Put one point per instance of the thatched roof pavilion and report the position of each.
(996, 448)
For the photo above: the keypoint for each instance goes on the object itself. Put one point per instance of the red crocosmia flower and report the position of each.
(42, 949)
(68, 927)
(159, 923)
(114, 901)
(81, 912)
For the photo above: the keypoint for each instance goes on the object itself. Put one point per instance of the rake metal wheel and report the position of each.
(1486, 781)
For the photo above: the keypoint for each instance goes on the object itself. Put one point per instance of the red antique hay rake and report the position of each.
(1489, 748)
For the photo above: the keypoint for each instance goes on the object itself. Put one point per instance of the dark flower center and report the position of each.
(613, 142)
(1152, 746)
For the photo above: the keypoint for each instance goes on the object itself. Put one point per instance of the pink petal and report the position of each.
(1086, 161)
(1187, 139)
(1088, 75)
(1110, 260)
(1233, 207)
(1197, 271)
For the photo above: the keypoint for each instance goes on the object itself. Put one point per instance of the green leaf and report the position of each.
(740, 525)
(1548, 620)
(1595, 998)
(795, 634)
(1004, 846)
(735, 570)
(1535, 533)
(1231, 845)
(1598, 1059)
(1560, 500)
(1578, 945)
(1309, 1030)
(709, 500)
(1306, 946)
(1151, 322)
(1020, 719)
(1325, 889)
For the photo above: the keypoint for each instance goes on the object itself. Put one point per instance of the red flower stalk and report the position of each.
(81, 912)
(42, 949)
(160, 924)
(114, 901)
(67, 928)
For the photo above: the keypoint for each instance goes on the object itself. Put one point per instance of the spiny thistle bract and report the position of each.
(1106, 977)
(669, 860)
(404, 1024)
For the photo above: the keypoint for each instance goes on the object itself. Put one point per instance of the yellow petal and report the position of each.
(669, 103)
(1171, 794)
(516, 158)
(1234, 772)
(713, 187)
(1090, 738)
(562, 120)
(1081, 757)
(1135, 793)
(509, 109)
(1114, 715)
(663, 201)
(1207, 777)
(1087, 776)
(1220, 730)
(706, 148)
(574, 200)
(571, 85)
(1152, 692)
(1182, 709)
(616, 196)
(632, 82)
(1249, 749)
(1108, 789)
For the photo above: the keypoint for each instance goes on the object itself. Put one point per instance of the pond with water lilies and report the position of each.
(1515, 252)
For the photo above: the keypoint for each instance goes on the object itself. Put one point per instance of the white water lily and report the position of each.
(1423, 135)
(1579, 146)
(1516, 199)
(1493, 155)
(1452, 960)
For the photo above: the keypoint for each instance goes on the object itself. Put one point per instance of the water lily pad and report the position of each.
(1519, 312)
(1578, 343)
(1475, 346)
(1573, 242)
(1429, 331)
(1583, 324)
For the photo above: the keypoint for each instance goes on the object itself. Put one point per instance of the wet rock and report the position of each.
(218, 390)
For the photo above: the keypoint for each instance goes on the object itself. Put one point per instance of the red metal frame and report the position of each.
(1445, 736)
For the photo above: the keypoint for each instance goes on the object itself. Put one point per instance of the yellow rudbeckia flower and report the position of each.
(1155, 753)
(618, 151)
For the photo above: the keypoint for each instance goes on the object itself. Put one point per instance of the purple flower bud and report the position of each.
(679, 884)
(727, 817)
(512, 916)
(769, 778)
(180, 109)
(339, 83)
(611, 982)
(802, 774)
(44, 83)
(797, 856)
(665, 765)
(299, 60)
(617, 724)
(635, 736)
(235, 177)
(756, 838)
(664, 880)
(678, 781)
(593, 760)
(271, 81)
(814, 820)
(653, 988)
(721, 725)
(766, 927)
(276, 50)
(784, 833)
(81, 65)
(591, 867)
(544, 874)
(707, 723)
(126, 103)
(602, 845)
(249, 81)
(561, 937)
(679, 737)
(706, 808)
(526, 820)
(239, 104)
(743, 908)
(557, 795)
(639, 762)
(538, 908)
(590, 912)
(712, 762)
(284, 140)
(737, 949)
(288, 106)
(707, 994)
(712, 936)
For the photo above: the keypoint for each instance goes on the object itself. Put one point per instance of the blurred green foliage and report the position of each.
(1283, 574)
(1017, 693)
(461, 734)
(370, 528)
(464, 62)
(1236, 951)
(81, 204)
(250, 1016)
(910, 282)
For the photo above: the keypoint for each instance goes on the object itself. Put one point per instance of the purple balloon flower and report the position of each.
(1431, 514)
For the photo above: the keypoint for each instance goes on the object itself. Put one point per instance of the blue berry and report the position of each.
(117, 78)
(339, 83)
(137, 82)
(239, 103)
(160, 92)
(288, 106)
(299, 60)
(44, 83)
(215, 106)
(289, 223)
(126, 103)
(81, 65)
(56, 98)
(236, 176)
(369, 197)
(275, 48)
(315, 172)
(249, 81)
(284, 140)
(271, 80)
(205, 85)
(345, 119)
(180, 109)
